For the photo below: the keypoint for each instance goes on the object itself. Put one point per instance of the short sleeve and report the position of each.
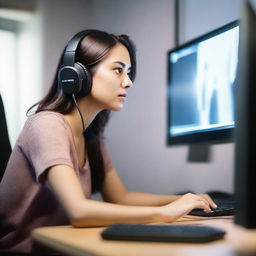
(46, 142)
(108, 165)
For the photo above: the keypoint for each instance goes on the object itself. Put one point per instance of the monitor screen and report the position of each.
(201, 76)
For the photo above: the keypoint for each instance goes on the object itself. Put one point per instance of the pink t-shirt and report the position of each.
(26, 202)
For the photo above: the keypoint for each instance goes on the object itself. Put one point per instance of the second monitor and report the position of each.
(200, 92)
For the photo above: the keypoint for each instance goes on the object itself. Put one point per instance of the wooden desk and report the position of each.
(87, 241)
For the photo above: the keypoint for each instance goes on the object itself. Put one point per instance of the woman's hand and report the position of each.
(185, 204)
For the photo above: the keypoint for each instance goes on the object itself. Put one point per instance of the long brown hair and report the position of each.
(90, 52)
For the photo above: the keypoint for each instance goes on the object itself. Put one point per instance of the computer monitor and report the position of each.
(200, 93)
(245, 129)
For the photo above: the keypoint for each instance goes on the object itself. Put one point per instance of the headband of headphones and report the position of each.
(73, 77)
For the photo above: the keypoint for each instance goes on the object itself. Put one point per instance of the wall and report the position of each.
(198, 16)
(136, 135)
(60, 20)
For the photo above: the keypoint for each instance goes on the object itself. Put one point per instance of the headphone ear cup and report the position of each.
(86, 80)
(75, 80)
(69, 80)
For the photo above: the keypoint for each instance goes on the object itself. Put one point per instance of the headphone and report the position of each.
(73, 77)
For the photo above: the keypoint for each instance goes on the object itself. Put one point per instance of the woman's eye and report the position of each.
(118, 70)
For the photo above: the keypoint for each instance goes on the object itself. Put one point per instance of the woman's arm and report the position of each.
(114, 191)
(84, 212)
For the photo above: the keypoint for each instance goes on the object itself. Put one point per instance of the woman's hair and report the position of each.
(91, 50)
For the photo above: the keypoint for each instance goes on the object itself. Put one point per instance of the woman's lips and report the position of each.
(122, 96)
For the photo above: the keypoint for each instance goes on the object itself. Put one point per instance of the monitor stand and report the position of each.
(199, 152)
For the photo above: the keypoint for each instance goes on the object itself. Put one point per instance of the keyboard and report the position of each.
(225, 208)
(162, 233)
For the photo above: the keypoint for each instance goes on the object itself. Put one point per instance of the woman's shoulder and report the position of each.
(46, 122)
(46, 117)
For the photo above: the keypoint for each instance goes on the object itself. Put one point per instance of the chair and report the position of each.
(5, 145)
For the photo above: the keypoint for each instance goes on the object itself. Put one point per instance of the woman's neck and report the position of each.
(75, 120)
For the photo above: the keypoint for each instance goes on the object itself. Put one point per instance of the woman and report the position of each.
(60, 157)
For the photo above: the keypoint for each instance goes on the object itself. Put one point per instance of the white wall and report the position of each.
(30, 71)
(136, 135)
(21, 62)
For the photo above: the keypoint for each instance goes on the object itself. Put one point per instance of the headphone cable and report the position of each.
(81, 116)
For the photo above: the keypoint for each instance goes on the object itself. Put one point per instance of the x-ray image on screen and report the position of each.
(201, 84)
(216, 69)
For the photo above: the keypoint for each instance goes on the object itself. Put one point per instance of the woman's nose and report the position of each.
(127, 82)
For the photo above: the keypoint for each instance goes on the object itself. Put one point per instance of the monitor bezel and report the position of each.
(224, 135)
(245, 136)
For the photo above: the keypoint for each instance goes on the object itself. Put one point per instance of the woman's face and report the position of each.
(111, 79)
